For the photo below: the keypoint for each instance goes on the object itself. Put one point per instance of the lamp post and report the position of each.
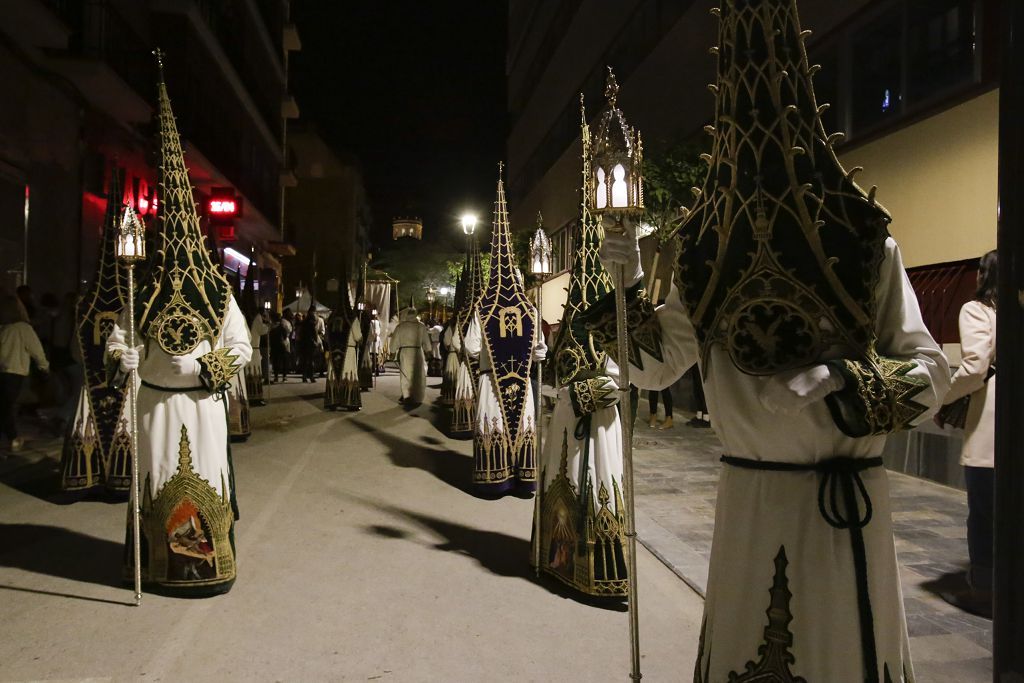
(130, 249)
(540, 266)
(615, 197)
(431, 297)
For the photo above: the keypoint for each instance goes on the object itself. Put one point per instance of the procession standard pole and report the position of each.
(133, 400)
(538, 419)
(626, 417)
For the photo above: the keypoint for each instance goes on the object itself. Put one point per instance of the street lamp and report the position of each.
(540, 265)
(431, 296)
(129, 250)
(468, 224)
(615, 196)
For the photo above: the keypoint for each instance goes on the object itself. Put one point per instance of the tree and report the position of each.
(669, 176)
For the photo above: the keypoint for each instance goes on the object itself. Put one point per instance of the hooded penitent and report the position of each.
(97, 451)
(780, 255)
(582, 518)
(507, 323)
(343, 335)
(186, 298)
(589, 282)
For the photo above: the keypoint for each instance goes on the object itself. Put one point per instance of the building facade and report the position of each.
(80, 92)
(327, 215)
(912, 84)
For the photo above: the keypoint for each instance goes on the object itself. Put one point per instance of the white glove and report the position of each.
(787, 393)
(185, 366)
(130, 359)
(622, 249)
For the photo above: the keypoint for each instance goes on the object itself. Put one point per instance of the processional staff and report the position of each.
(130, 249)
(615, 197)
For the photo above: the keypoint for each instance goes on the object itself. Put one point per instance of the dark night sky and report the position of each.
(416, 90)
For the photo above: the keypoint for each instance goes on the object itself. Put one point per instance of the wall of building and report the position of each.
(938, 179)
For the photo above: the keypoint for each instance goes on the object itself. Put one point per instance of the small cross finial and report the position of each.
(611, 88)
(540, 220)
(159, 54)
(501, 169)
(583, 112)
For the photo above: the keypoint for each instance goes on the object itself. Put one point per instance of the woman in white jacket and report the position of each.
(976, 378)
(19, 346)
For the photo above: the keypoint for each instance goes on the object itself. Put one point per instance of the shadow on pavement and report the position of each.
(60, 552)
(41, 479)
(498, 553)
(451, 467)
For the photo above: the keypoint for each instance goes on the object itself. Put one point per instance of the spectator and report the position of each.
(306, 337)
(19, 345)
(652, 402)
(975, 381)
(280, 345)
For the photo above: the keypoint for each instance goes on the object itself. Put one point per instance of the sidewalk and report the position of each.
(676, 483)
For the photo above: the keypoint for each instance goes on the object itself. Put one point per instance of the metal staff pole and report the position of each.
(540, 265)
(538, 422)
(131, 247)
(133, 400)
(626, 417)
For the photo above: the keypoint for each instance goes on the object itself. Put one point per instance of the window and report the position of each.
(940, 45)
(877, 70)
(898, 61)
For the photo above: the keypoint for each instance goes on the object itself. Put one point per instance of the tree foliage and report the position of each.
(669, 176)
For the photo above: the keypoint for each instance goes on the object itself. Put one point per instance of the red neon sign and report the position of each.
(223, 207)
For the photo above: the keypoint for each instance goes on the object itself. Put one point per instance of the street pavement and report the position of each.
(362, 556)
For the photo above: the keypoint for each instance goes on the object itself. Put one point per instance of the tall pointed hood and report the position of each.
(781, 252)
(508, 323)
(588, 282)
(96, 313)
(187, 296)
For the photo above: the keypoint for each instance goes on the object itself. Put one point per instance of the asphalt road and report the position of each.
(362, 556)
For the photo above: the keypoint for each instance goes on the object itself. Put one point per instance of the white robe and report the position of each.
(451, 367)
(412, 344)
(603, 480)
(758, 511)
(162, 414)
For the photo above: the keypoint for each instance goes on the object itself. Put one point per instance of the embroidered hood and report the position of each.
(780, 254)
(508, 323)
(187, 295)
(574, 351)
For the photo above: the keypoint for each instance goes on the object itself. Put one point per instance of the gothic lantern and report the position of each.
(616, 162)
(430, 295)
(131, 238)
(468, 224)
(540, 250)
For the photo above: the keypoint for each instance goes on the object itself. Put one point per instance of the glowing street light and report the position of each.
(468, 223)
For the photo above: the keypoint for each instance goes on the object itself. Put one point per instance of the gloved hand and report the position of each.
(622, 249)
(130, 359)
(185, 366)
(787, 393)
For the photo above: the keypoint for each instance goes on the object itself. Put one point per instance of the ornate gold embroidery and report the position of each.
(776, 659)
(217, 369)
(641, 321)
(781, 253)
(877, 398)
(592, 394)
(583, 545)
(187, 528)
